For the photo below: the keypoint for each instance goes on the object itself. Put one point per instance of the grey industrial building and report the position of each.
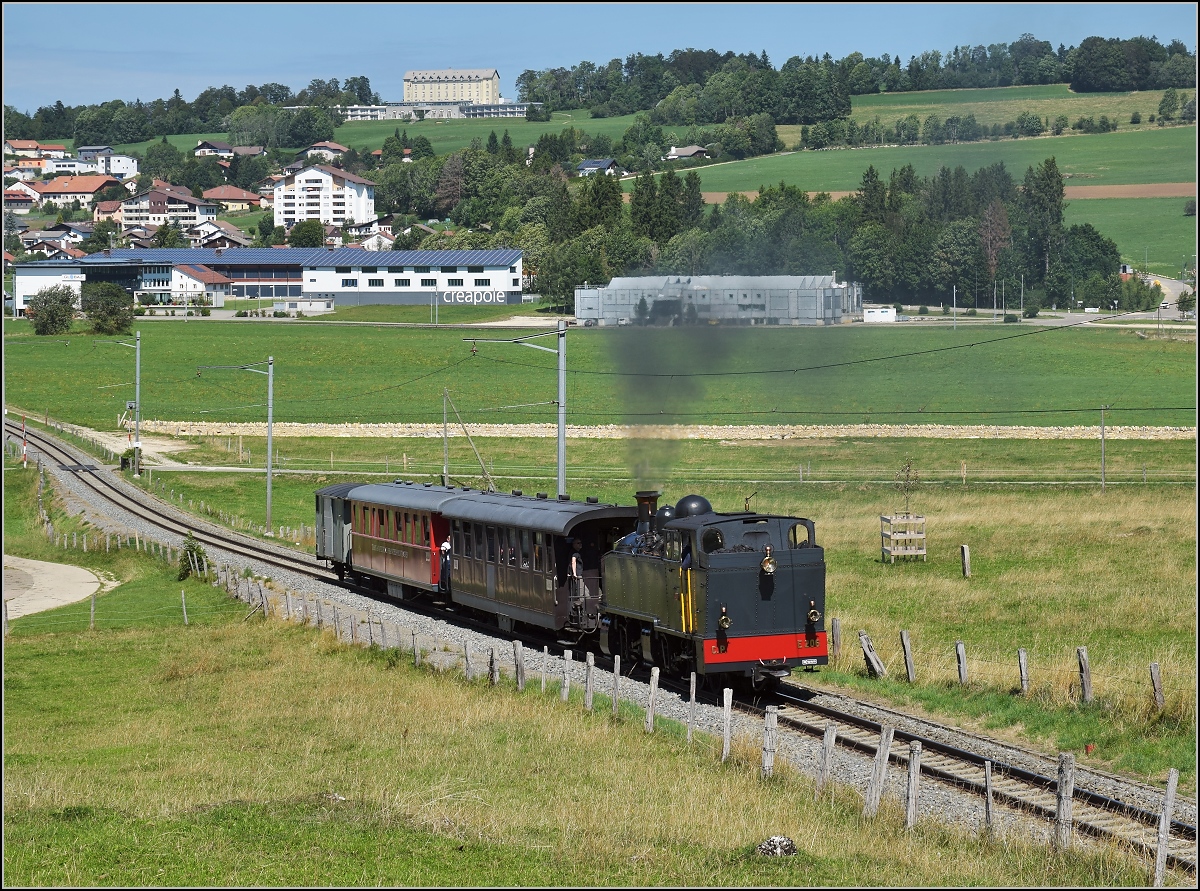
(722, 299)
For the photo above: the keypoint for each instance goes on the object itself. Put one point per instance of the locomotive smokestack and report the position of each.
(647, 502)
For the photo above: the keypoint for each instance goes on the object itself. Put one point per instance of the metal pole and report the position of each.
(1022, 293)
(445, 444)
(137, 408)
(1102, 446)
(562, 407)
(270, 420)
(954, 298)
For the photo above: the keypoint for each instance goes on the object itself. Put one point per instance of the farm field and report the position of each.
(392, 774)
(1153, 228)
(1002, 104)
(1146, 156)
(849, 374)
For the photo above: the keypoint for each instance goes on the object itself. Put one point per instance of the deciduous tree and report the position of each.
(51, 310)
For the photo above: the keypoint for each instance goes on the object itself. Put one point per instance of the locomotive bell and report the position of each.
(724, 621)
(692, 506)
(769, 563)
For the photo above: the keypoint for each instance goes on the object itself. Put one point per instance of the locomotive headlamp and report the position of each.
(724, 621)
(769, 563)
(814, 614)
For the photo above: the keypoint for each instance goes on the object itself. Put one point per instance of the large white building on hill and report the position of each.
(479, 86)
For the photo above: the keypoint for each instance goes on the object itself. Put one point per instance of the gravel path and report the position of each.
(938, 803)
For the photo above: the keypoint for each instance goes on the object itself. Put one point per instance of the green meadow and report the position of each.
(979, 374)
(1145, 156)
(1152, 229)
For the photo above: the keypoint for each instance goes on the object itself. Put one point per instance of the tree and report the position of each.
(1187, 302)
(108, 306)
(642, 312)
(1042, 200)
(691, 209)
(169, 235)
(994, 235)
(493, 144)
(51, 310)
(1169, 106)
(307, 234)
(642, 204)
(666, 207)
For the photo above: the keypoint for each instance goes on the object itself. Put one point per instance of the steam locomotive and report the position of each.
(681, 587)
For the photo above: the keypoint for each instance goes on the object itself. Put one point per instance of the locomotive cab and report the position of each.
(739, 593)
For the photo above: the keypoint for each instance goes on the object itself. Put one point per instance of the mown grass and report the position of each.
(1146, 230)
(257, 754)
(848, 374)
(1145, 156)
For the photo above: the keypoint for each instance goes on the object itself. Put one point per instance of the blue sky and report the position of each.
(65, 51)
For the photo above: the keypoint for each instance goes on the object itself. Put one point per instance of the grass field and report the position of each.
(1146, 156)
(1003, 104)
(1153, 228)
(252, 753)
(342, 374)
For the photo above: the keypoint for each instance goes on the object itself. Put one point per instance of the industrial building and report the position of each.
(720, 300)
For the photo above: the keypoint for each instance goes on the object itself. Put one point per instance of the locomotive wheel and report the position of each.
(629, 645)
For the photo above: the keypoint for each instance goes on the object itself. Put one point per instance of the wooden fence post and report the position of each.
(183, 597)
(518, 663)
(493, 668)
(988, 810)
(770, 720)
(565, 691)
(92, 617)
(874, 663)
(1023, 666)
(545, 666)
(1156, 683)
(966, 561)
(1066, 791)
(960, 651)
(354, 629)
(908, 660)
(1164, 828)
(728, 694)
(587, 691)
(466, 659)
(1085, 674)
(650, 700)
(416, 650)
(914, 779)
(691, 706)
(878, 772)
(337, 625)
(382, 634)
(616, 693)
(835, 631)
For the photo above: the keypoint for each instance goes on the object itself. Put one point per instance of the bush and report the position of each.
(51, 310)
(1135, 118)
(898, 307)
(280, 314)
(923, 311)
(1189, 207)
(240, 314)
(1030, 312)
(1009, 317)
(972, 312)
(191, 550)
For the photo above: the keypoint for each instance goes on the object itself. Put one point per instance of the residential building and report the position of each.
(28, 187)
(122, 167)
(233, 198)
(159, 205)
(687, 151)
(464, 85)
(53, 151)
(250, 151)
(92, 152)
(106, 210)
(24, 148)
(35, 165)
(75, 232)
(72, 166)
(328, 151)
(17, 201)
(723, 300)
(217, 234)
(205, 147)
(21, 173)
(323, 193)
(198, 284)
(378, 242)
(65, 189)
(607, 166)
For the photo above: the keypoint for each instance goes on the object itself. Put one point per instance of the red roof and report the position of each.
(204, 274)
(231, 193)
(332, 146)
(70, 185)
(53, 148)
(108, 206)
(23, 143)
(18, 196)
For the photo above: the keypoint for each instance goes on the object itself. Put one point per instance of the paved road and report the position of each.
(33, 586)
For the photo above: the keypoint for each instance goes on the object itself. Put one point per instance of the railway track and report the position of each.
(152, 510)
(1094, 814)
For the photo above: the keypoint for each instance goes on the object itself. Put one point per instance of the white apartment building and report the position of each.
(120, 166)
(474, 85)
(72, 166)
(323, 193)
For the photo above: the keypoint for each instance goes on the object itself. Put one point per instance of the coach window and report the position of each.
(537, 551)
(674, 547)
(479, 553)
(425, 529)
(458, 537)
(407, 528)
(468, 548)
(524, 548)
(512, 547)
(491, 544)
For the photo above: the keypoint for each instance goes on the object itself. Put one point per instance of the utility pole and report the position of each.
(561, 351)
(954, 301)
(270, 373)
(1022, 293)
(445, 442)
(136, 405)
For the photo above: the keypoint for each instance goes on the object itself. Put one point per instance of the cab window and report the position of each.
(712, 540)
